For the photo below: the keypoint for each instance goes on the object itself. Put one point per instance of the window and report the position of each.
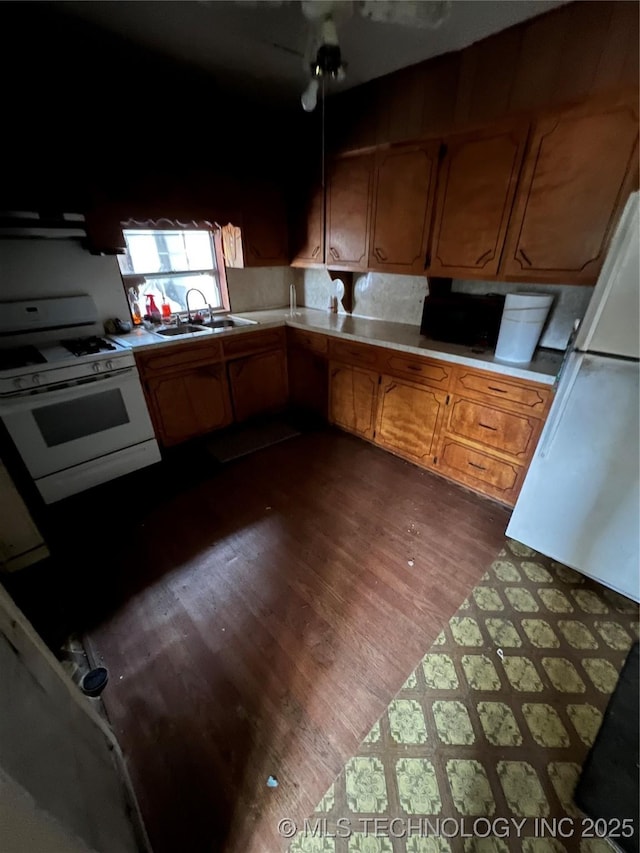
(168, 263)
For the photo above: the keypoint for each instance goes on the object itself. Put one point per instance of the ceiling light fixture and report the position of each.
(327, 63)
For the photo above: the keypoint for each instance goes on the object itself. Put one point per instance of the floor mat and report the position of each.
(248, 439)
(482, 748)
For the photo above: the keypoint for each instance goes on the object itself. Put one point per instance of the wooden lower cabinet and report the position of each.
(505, 432)
(353, 394)
(308, 381)
(409, 419)
(484, 439)
(480, 471)
(258, 384)
(194, 402)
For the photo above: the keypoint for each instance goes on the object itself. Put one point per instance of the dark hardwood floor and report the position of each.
(260, 618)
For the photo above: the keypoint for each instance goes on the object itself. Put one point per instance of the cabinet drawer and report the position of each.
(435, 373)
(250, 342)
(493, 428)
(167, 359)
(522, 396)
(307, 340)
(479, 471)
(360, 354)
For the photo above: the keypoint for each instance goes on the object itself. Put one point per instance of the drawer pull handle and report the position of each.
(414, 367)
(499, 390)
(479, 467)
(486, 426)
(380, 255)
(315, 252)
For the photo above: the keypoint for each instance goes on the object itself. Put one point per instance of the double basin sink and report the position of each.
(222, 324)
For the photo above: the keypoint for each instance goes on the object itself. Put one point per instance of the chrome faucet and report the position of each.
(186, 299)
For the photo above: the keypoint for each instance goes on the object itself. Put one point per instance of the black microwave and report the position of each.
(463, 318)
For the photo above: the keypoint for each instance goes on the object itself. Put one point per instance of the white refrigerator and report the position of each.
(580, 501)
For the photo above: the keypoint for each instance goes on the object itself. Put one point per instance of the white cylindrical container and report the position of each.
(523, 317)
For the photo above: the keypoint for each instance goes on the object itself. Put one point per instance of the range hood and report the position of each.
(42, 225)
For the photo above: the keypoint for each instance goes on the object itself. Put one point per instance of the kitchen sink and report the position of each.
(228, 323)
(184, 329)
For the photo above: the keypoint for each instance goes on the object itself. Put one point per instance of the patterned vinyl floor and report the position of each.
(487, 737)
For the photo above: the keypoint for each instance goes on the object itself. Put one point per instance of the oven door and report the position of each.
(57, 429)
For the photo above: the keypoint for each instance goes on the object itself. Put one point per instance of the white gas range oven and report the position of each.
(73, 405)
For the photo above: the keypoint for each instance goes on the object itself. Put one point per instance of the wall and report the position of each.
(259, 288)
(31, 268)
(569, 304)
(380, 296)
(399, 298)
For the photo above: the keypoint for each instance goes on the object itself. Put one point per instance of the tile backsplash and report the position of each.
(379, 296)
(259, 288)
(399, 298)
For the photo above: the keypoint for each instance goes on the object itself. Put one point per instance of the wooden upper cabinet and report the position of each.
(264, 227)
(308, 229)
(578, 173)
(476, 186)
(402, 207)
(348, 212)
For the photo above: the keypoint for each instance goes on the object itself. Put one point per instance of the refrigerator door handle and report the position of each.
(569, 373)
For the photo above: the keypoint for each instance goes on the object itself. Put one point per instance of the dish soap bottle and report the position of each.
(166, 310)
(152, 309)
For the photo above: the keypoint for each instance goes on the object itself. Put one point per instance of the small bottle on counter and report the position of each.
(152, 309)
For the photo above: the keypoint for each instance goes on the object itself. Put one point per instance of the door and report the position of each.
(55, 430)
(308, 230)
(405, 183)
(409, 419)
(577, 176)
(258, 384)
(264, 227)
(352, 399)
(60, 757)
(348, 212)
(476, 186)
(191, 403)
(579, 503)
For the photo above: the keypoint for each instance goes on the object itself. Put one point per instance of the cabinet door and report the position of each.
(476, 186)
(308, 230)
(578, 173)
(258, 384)
(405, 182)
(264, 227)
(188, 404)
(352, 399)
(308, 381)
(348, 212)
(409, 419)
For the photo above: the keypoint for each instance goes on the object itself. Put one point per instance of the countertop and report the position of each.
(400, 336)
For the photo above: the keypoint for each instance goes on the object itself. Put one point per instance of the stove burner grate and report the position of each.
(87, 346)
